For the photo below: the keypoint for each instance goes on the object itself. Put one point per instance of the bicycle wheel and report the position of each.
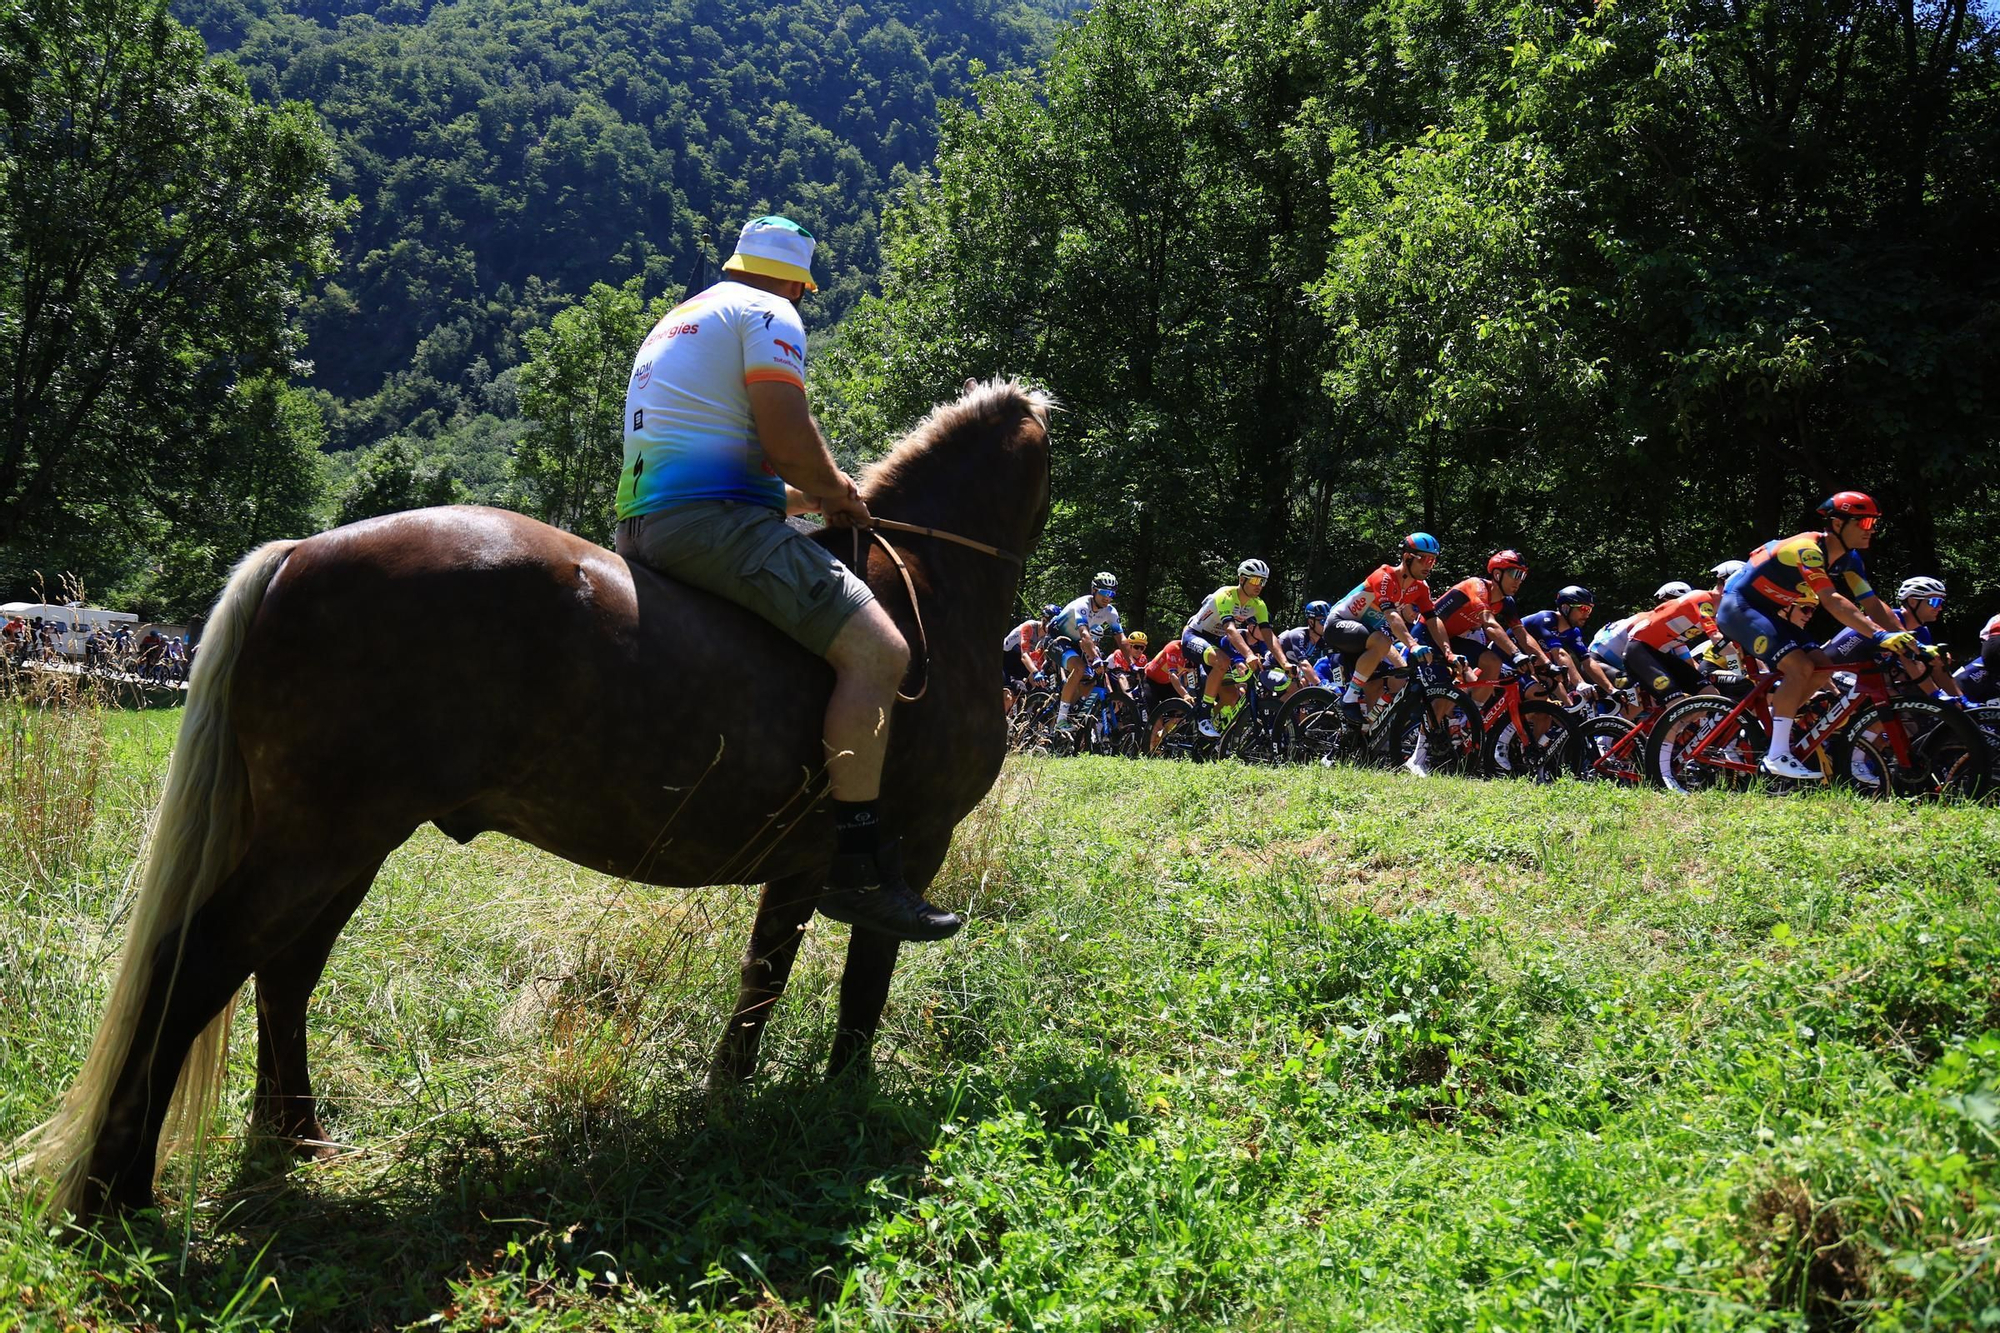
(1726, 760)
(1858, 764)
(1248, 739)
(1030, 719)
(1539, 754)
(1447, 720)
(1594, 754)
(1313, 731)
(1173, 723)
(1927, 748)
(1987, 718)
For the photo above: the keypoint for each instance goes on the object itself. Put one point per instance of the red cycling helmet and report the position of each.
(1850, 504)
(1507, 559)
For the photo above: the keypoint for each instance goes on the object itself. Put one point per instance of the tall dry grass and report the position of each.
(53, 754)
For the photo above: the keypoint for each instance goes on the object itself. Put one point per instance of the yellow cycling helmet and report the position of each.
(1137, 636)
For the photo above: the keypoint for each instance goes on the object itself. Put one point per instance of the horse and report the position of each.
(308, 752)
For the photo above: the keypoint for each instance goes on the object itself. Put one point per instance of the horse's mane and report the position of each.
(996, 404)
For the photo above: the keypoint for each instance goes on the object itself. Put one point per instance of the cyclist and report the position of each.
(1478, 612)
(1303, 644)
(1377, 604)
(1658, 651)
(1919, 602)
(1020, 657)
(1073, 634)
(1128, 673)
(1799, 572)
(1560, 634)
(1979, 679)
(1215, 635)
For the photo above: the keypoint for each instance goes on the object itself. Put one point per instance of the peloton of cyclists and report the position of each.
(1758, 608)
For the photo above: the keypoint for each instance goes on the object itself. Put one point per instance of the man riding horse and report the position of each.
(720, 447)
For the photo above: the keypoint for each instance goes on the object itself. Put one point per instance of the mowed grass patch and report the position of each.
(1218, 1047)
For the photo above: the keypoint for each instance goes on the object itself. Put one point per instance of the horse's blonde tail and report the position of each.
(197, 837)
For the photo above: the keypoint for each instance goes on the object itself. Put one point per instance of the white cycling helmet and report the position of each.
(1105, 581)
(1728, 570)
(1920, 586)
(1666, 592)
(1253, 568)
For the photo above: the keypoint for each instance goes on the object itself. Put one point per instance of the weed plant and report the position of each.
(1219, 1047)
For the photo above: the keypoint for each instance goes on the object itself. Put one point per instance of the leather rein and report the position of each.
(875, 530)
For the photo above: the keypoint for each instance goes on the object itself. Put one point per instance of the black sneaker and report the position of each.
(869, 891)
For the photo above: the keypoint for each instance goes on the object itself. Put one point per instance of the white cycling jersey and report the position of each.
(1080, 620)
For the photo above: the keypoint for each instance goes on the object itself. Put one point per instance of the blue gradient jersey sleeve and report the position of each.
(689, 434)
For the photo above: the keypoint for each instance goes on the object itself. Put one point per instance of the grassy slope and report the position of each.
(1219, 1047)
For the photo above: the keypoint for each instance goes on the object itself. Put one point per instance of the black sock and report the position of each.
(855, 825)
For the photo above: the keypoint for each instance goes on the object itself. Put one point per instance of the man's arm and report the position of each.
(1277, 649)
(797, 452)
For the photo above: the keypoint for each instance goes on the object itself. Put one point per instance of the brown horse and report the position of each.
(482, 671)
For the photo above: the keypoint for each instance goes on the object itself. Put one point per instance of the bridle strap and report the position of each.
(910, 585)
(893, 526)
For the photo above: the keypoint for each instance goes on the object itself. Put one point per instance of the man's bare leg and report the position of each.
(865, 887)
(869, 658)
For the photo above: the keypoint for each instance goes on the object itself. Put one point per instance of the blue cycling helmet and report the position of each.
(1575, 595)
(1051, 611)
(1422, 543)
(1319, 610)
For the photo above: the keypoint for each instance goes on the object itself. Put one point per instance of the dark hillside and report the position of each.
(508, 154)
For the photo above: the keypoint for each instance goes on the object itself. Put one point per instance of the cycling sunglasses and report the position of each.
(1868, 522)
(1934, 603)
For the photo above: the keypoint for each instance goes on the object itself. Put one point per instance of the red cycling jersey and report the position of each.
(1687, 620)
(1167, 664)
(1482, 599)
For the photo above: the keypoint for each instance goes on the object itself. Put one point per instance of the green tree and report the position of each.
(572, 388)
(391, 477)
(156, 229)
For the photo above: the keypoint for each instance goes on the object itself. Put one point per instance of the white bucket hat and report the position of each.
(774, 247)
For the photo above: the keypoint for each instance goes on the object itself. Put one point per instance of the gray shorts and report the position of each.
(750, 555)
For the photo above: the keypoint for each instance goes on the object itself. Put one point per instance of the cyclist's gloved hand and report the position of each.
(1521, 661)
(1419, 653)
(1895, 641)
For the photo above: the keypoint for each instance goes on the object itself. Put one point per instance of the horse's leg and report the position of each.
(283, 1106)
(254, 913)
(871, 962)
(782, 913)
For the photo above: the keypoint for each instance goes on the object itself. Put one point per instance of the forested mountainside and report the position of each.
(506, 154)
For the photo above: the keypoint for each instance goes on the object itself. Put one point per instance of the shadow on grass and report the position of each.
(695, 1203)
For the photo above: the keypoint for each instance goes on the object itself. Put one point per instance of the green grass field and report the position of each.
(1219, 1047)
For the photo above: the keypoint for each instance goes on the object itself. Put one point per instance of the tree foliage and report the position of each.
(1626, 285)
(565, 467)
(157, 227)
(506, 155)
